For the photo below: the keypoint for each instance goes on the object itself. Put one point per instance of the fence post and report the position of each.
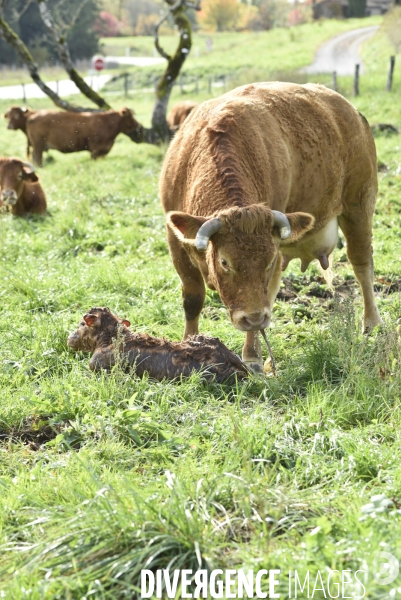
(356, 80)
(209, 85)
(334, 85)
(57, 87)
(390, 74)
(125, 75)
(23, 93)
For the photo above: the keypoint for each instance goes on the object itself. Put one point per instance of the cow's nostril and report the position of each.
(244, 323)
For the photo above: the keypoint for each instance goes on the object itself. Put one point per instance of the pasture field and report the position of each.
(102, 475)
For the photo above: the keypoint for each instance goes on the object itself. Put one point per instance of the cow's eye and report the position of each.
(224, 263)
(19, 176)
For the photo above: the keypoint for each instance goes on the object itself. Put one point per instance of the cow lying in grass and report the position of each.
(109, 339)
(17, 119)
(179, 113)
(20, 188)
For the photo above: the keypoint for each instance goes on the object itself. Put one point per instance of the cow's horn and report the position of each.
(205, 232)
(281, 221)
(29, 165)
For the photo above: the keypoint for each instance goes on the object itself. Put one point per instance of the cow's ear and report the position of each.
(184, 226)
(29, 175)
(300, 224)
(90, 320)
(126, 322)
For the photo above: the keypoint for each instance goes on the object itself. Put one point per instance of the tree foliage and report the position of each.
(76, 18)
(219, 15)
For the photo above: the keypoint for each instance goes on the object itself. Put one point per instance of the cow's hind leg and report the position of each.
(357, 229)
(252, 351)
(193, 286)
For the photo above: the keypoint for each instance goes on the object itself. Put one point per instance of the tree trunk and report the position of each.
(174, 65)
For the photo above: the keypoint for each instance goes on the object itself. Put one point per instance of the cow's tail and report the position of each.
(328, 273)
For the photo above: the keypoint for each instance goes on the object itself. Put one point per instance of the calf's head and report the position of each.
(237, 250)
(98, 327)
(13, 175)
(17, 116)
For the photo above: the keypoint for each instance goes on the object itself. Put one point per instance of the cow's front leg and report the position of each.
(193, 286)
(252, 352)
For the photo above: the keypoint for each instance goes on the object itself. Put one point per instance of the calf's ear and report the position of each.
(184, 226)
(300, 224)
(29, 175)
(126, 322)
(90, 320)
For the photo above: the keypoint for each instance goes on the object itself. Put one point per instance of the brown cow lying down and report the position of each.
(20, 188)
(110, 340)
(17, 118)
(179, 113)
(73, 132)
(257, 177)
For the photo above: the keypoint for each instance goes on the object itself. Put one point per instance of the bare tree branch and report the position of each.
(27, 5)
(65, 57)
(62, 24)
(11, 37)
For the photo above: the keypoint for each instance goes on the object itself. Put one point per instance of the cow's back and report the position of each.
(290, 146)
(69, 132)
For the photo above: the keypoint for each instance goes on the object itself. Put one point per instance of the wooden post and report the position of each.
(57, 87)
(334, 84)
(23, 93)
(125, 84)
(390, 74)
(209, 85)
(356, 81)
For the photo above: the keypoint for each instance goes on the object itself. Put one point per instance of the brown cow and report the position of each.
(257, 177)
(20, 187)
(179, 113)
(110, 340)
(17, 118)
(73, 132)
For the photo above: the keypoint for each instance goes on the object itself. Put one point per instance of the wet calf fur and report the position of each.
(109, 339)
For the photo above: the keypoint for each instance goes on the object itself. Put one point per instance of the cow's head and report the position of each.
(13, 175)
(17, 116)
(98, 327)
(240, 248)
(128, 122)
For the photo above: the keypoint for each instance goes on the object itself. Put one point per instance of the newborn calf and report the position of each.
(109, 339)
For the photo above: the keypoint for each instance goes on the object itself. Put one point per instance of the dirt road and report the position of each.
(341, 53)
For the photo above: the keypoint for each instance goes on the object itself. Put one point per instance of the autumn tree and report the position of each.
(220, 15)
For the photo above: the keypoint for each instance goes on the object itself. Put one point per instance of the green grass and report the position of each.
(101, 475)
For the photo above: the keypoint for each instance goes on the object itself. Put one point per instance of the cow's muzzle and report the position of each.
(251, 321)
(9, 197)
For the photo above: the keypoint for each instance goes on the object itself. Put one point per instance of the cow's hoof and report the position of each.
(255, 367)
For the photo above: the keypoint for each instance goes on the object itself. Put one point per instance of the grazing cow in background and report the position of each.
(179, 113)
(73, 132)
(257, 177)
(20, 188)
(17, 118)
